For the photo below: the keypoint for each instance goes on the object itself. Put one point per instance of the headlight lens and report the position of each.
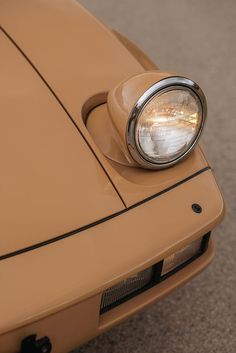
(166, 124)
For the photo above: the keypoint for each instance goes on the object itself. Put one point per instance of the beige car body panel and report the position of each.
(68, 59)
(45, 163)
(73, 223)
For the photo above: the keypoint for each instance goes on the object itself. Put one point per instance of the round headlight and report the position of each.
(166, 122)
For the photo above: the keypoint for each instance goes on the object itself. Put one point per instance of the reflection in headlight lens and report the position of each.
(168, 125)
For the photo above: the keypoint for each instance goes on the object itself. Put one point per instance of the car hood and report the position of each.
(57, 63)
(51, 183)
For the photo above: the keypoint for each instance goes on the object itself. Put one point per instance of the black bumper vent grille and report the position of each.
(141, 281)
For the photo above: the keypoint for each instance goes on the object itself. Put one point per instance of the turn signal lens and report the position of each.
(182, 256)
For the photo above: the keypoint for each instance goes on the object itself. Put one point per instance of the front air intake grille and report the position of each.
(147, 278)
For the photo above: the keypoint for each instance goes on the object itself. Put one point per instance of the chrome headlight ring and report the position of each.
(162, 86)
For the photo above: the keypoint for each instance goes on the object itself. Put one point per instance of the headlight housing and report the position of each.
(166, 122)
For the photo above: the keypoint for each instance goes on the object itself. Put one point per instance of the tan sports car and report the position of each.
(107, 201)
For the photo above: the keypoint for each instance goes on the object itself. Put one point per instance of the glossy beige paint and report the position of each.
(81, 67)
(51, 183)
(56, 289)
(61, 274)
(79, 323)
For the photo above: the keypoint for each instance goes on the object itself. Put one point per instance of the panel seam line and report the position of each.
(102, 220)
(65, 110)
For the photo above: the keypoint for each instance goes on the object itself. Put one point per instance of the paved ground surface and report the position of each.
(196, 39)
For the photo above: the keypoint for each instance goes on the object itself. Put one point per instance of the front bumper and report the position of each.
(56, 290)
(141, 301)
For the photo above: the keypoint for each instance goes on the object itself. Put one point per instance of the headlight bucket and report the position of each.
(128, 101)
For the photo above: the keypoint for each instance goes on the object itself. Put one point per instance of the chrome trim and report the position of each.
(158, 88)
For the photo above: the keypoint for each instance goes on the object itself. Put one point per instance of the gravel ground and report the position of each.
(196, 39)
